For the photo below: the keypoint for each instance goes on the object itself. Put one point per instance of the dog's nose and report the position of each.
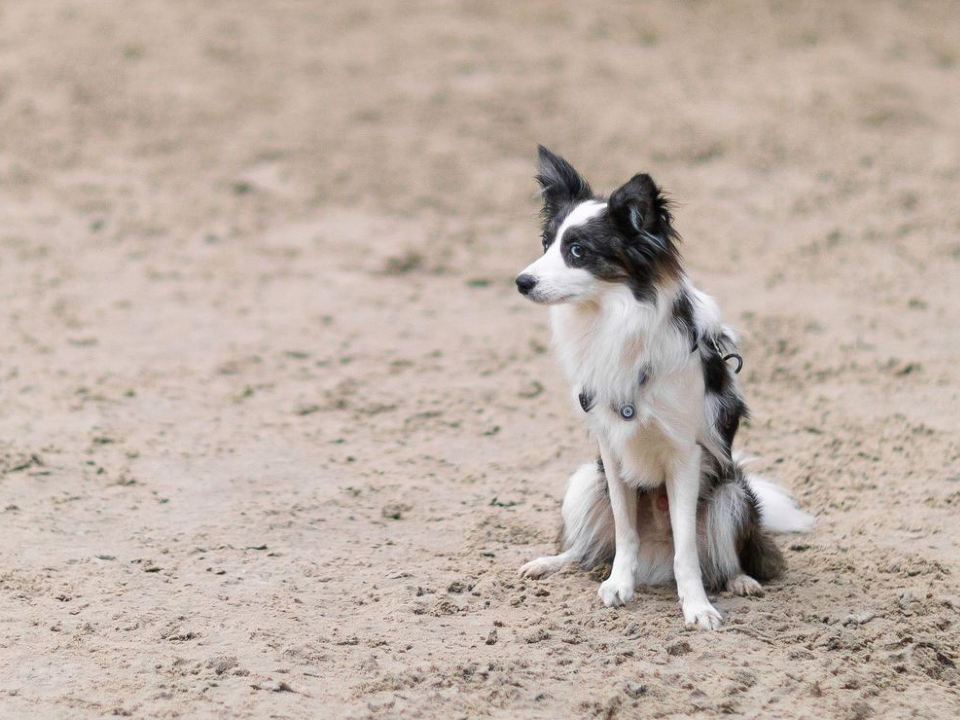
(526, 283)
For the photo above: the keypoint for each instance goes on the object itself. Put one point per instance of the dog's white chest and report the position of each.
(640, 390)
(637, 432)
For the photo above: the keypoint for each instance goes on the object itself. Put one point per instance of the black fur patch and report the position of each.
(712, 470)
(683, 317)
(640, 207)
(716, 374)
(732, 411)
(760, 556)
(718, 381)
(562, 188)
(606, 255)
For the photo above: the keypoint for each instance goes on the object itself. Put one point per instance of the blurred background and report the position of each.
(276, 428)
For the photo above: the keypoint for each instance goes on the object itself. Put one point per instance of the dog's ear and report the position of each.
(560, 183)
(639, 208)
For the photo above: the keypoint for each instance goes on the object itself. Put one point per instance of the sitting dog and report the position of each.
(651, 370)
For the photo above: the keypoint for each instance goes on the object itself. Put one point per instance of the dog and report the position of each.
(650, 365)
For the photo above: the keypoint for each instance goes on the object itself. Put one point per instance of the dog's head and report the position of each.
(591, 244)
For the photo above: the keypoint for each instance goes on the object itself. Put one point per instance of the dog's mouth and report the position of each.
(558, 301)
(540, 300)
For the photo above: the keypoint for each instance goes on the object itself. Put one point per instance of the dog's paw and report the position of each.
(616, 590)
(744, 585)
(701, 616)
(541, 567)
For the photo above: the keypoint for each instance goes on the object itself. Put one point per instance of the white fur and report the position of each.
(618, 588)
(603, 345)
(779, 512)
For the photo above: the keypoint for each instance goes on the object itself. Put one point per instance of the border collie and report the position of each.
(648, 360)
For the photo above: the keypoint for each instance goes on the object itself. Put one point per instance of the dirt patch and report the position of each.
(276, 431)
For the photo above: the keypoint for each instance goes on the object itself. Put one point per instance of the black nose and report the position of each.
(526, 283)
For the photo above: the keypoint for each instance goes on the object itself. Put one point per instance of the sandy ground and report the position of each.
(276, 430)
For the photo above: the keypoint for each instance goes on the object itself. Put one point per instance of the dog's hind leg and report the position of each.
(731, 519)
(743, 585)
(587, 533)
(546, 565)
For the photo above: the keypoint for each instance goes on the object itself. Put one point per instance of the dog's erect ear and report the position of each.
(560, 183)
(639, 208)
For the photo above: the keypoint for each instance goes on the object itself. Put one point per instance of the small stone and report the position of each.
(220, 665)
(273, 686)
(394, 511)
(746, 678)
(679, 648)
(536, 636)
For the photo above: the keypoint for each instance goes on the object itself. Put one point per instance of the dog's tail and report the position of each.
(779, 512)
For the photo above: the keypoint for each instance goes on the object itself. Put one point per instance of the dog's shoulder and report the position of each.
(700, 312)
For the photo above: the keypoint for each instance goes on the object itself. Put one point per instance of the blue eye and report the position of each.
(576, 251)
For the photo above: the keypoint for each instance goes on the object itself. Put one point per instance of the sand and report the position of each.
(276, 430)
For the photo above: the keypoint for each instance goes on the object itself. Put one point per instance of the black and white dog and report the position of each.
(647, 357)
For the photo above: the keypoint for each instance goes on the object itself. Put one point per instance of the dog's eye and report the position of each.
(546, 244)
(576, 250)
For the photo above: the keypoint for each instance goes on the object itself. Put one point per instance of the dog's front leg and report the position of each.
(683, 491)
(618, 588)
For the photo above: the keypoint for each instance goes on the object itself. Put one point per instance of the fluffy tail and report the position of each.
(779, 512)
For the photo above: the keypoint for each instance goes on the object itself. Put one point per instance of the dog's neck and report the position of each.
(606, 341)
